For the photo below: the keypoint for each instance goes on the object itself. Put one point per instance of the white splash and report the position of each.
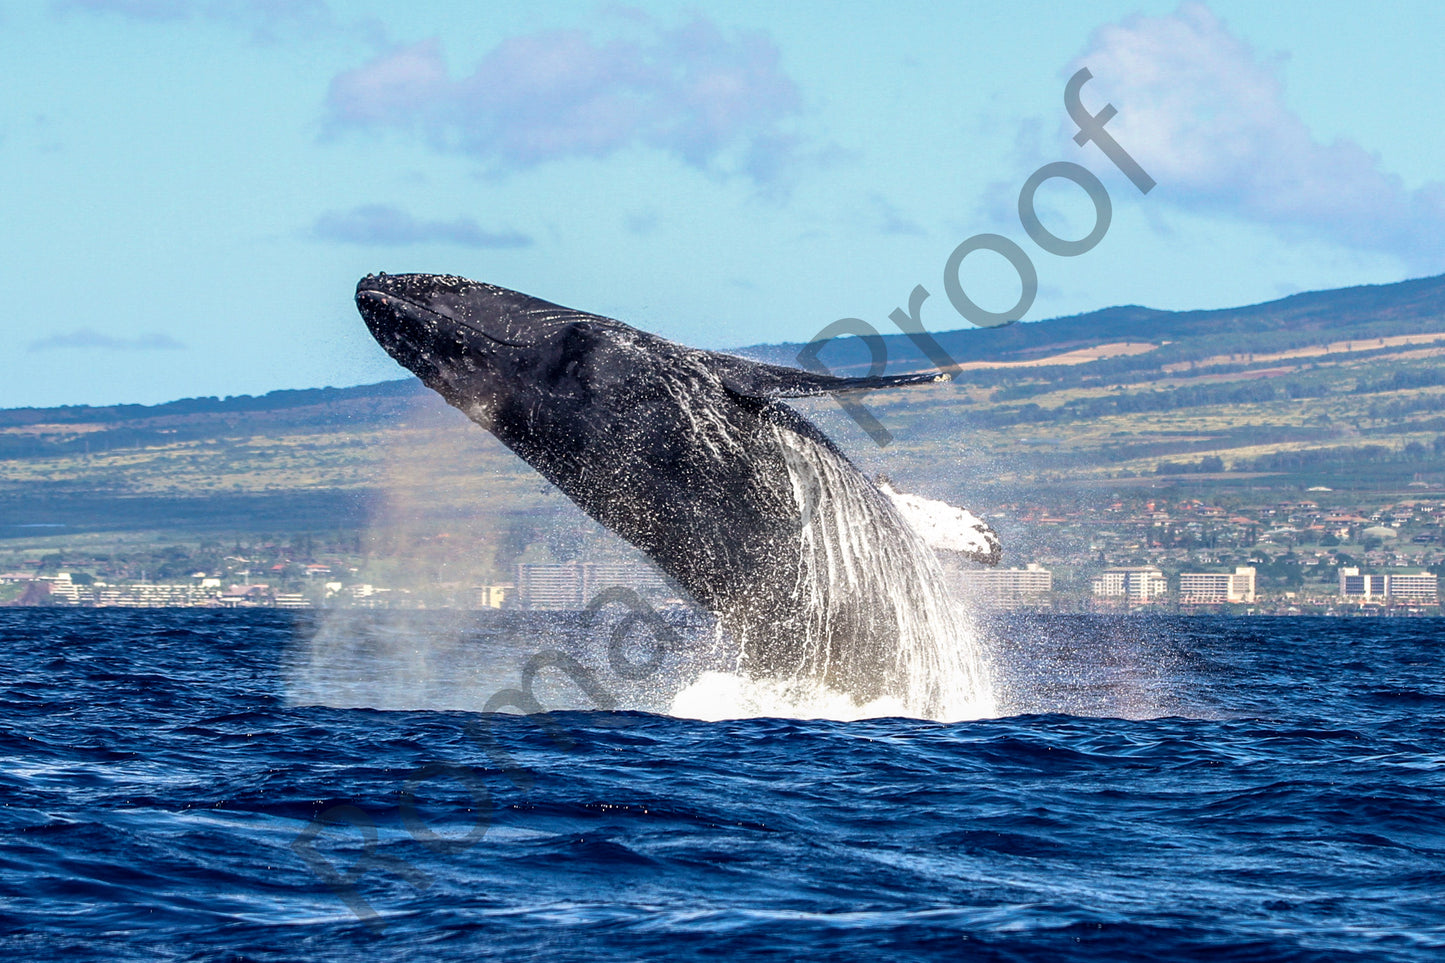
(944, 526)
(861, 566)
(716, 696)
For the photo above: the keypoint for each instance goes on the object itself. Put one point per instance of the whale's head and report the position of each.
(531, 371)
(476, 344)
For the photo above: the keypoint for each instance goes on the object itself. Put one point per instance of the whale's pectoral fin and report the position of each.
(946, 527)
(754, 379)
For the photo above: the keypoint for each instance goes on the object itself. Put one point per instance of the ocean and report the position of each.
(265, 786)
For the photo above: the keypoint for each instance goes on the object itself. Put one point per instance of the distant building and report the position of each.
(243, 596)
(1420, 588)
(368, 596)
(1215, 588)
(493, 596)
(62, 589)
(1355, 585)
(1008, 587)
(574, 584)
(643, 579)
(542, 586)
(154, 595)
(1139, 584)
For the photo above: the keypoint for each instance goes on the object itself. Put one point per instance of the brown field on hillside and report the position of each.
(1314, 351)
(1116, 349)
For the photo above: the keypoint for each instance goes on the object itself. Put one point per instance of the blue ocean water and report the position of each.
(1161, 789)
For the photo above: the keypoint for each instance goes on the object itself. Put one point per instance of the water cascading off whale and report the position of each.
(817, 574)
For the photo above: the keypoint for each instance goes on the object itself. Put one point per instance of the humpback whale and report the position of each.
(692, 456)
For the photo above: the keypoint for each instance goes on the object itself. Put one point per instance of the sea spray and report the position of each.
(854, 545)
(399, 661)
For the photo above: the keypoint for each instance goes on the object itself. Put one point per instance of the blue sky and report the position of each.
(193, 188)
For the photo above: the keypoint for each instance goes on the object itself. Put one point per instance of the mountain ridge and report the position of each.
(1400, 307)
(1411, 306)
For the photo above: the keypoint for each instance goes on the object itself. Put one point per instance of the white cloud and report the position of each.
(719, 101)
(382, 225)
(1206, 117)
(89, 338)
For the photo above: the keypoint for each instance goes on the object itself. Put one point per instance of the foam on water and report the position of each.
(716, 696)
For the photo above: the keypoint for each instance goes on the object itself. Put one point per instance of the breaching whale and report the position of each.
(692, 456)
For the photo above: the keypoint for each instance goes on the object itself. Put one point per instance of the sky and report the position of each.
(193, 187)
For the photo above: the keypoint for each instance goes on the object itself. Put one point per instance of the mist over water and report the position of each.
(1128, 667)
(400, 660)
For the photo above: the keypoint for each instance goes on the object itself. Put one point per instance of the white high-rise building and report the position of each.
(1353, 584)
(62, 588)
(1214, 588)
(1139, 584)
(1419, 587)
(574, 584)
(1006, 587)
(1422, 587)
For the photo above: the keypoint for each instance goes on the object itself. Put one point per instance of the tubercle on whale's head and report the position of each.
(474, 343)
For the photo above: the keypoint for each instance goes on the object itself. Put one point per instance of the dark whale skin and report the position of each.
(687, 454)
